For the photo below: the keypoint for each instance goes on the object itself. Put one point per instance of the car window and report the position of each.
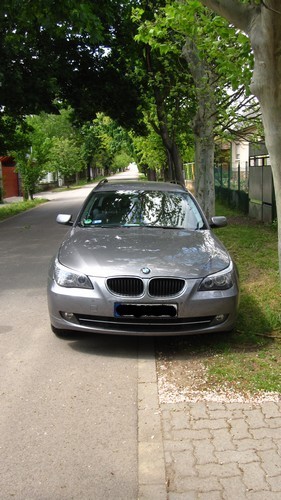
(142, 208)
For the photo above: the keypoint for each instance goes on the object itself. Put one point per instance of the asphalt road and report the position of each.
(68, 407)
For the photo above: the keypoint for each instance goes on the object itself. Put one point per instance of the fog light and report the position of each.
(68, 316)
(220, 318)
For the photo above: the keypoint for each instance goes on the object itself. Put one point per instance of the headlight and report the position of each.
(219, 281)
(68, 278)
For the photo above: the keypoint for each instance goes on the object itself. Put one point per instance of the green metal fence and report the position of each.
(232, 186)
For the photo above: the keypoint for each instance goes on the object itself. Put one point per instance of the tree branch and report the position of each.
(236, 13)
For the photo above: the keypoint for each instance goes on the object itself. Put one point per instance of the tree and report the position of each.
(211, 51)
(65, 50)
(30, 172)
(29, 168)
(164, 88)
(106, 145)
(150, 154)
(36, 145)
(65, 158)
(261, 21)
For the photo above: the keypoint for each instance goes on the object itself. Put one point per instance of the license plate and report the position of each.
(122, 310)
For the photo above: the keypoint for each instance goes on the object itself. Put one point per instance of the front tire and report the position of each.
(59, 332)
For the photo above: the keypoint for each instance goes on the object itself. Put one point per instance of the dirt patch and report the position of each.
(183, 377)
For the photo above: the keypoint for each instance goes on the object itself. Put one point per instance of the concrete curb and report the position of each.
(151, 464)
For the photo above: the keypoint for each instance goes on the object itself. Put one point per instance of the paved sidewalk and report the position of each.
(222, 450)
(205, 450)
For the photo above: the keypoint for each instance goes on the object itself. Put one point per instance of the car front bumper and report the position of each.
(98, 310)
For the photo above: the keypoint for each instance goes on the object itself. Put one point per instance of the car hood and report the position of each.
(104, 252)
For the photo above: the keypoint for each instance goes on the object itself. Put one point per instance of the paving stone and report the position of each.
(182, 445)
(254, 444)
(151, 470)
(255, 418)
(218, 470)
(205, 423)
(183, 463)
(277, 442)
(254, 477)
(212, 495)
(168, 457)
(275, 483)
(241, 457)
(147, 396)
(157, 492)
(273, 423)
(271, 409)
(191, 495)
(198, 410)
(198, 484)
(191, 434)
(149, 427)
(261, 495)
(271, 462)
(227, 414)
(166, 427)
(233, 488)
(239, 429)
(265, 432)
(180, 420)
(204, 452)
(222, 440)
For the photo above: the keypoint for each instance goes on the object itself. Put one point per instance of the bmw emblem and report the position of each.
(145, 270)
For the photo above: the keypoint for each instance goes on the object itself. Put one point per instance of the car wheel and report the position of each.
(63, 334)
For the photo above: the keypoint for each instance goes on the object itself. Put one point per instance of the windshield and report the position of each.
(141, 208)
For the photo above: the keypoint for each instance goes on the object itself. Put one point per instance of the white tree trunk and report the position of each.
(204, 174)
(203, 127)
(262, 23)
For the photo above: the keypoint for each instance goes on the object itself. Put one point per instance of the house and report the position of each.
(240, 157)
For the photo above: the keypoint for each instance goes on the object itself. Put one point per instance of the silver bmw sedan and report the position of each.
(141, 259)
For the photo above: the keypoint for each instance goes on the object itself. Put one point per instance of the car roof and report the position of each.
(131, 185)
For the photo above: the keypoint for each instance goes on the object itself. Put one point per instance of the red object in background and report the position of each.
(10, 177)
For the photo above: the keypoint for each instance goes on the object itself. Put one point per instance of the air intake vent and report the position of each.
(165, 287)
(130, 287)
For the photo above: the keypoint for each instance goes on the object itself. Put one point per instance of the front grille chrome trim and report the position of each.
(135, 287)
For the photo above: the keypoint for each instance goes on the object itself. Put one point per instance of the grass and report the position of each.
(247, 360)
(250, 358)
(10, 209)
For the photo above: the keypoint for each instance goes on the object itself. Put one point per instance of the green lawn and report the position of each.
(247, 360)
(250, 357)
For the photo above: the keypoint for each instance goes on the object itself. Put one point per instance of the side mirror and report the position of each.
(64, 219)
(218, 221)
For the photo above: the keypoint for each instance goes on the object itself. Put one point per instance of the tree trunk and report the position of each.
(151, 174)
(204, 185)
(174, 157)
(173, 153)
(262, 23)
(271, 111)
(203, 127)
